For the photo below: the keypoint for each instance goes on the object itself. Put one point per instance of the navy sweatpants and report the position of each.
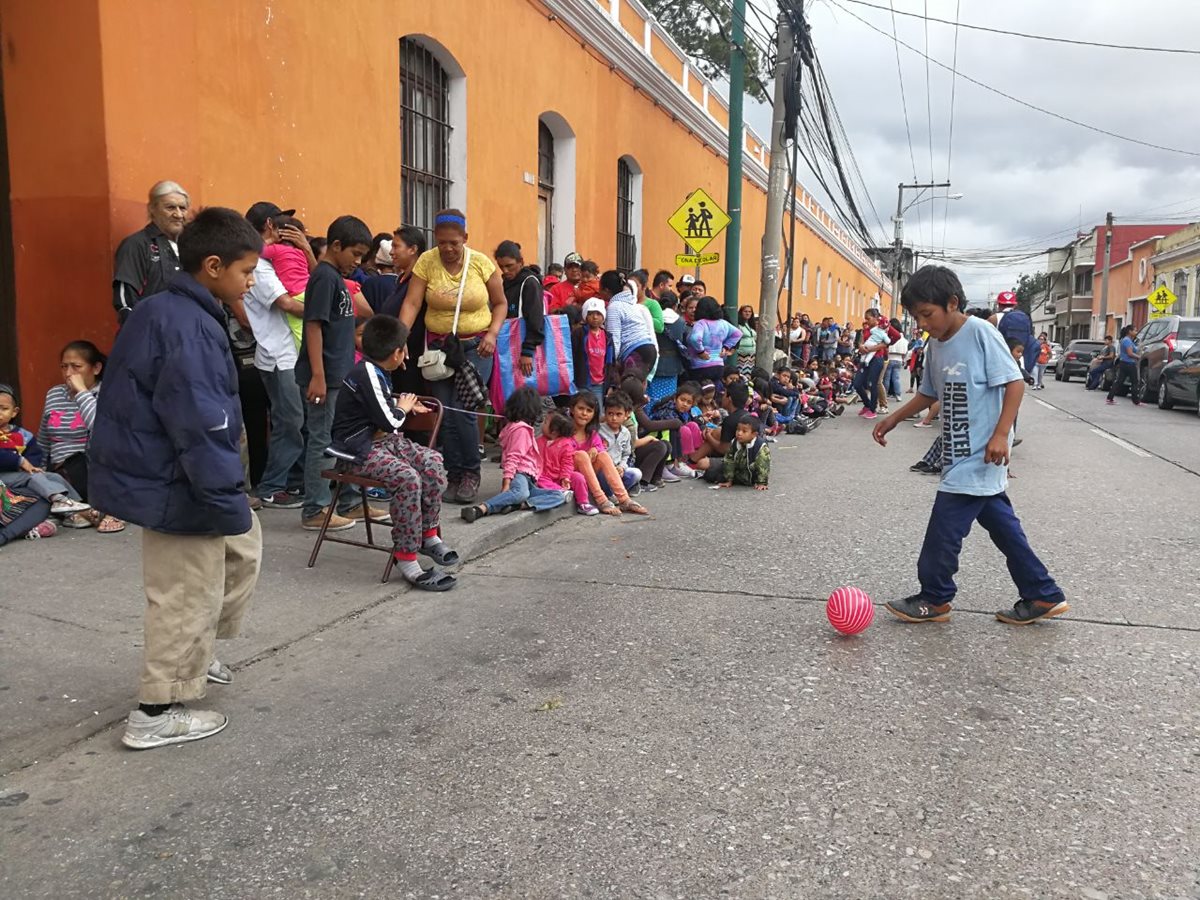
(951, 521)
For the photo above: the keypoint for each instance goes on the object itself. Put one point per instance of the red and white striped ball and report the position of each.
(849, 610)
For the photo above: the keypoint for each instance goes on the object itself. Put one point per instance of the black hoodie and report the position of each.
(524, 297)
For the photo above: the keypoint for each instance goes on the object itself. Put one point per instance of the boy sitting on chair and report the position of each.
(367, 433)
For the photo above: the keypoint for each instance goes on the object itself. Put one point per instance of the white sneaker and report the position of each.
(177, 725)
(219, 673)
(683, 470)
(65, 506)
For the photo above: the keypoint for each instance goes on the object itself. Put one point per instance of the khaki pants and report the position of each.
(197, 590)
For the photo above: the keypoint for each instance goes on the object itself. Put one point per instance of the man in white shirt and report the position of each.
(267, 304)
(897, 354)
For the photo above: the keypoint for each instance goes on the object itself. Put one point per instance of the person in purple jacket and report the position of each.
(164, 454)
(711, 339)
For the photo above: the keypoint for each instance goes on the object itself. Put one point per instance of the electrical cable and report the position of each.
(904, 103)
(1018, 100)
(929, 117)
(1032, 37)
(950, 137)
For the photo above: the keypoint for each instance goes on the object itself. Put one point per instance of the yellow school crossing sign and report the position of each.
(699, 220)
(1161, 301)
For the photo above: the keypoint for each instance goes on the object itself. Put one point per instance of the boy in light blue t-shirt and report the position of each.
(971, 371)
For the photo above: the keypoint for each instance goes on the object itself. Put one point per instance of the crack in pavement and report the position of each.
(38, 615)
(758, 595)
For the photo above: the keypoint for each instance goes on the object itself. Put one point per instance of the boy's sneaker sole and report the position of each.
(1026, 613)
(178, 725)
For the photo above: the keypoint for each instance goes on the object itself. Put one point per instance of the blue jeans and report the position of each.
(629, 478)
(1096, 375)
(319, 418)
(459, 438)
(891, 379)
(951, 521)
(866, 383)
(40, 484)
(286, 443)
(23, 523)
(524, 489)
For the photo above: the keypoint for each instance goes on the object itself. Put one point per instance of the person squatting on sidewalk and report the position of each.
(367, 432)
(980, 386)
(164, 453)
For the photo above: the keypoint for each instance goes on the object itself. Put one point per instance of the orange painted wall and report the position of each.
(264, 100)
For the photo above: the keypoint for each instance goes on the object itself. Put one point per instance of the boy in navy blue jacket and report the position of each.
(164, 454)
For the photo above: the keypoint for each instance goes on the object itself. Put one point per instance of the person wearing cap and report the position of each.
(567, 290)
(594, 351)
(148, 259)
(377, 288)
(267, 304)
(1013, 322)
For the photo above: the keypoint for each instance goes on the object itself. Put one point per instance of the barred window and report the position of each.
(424, 136)
(626, 240)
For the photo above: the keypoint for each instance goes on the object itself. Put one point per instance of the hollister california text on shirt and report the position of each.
(968, 373)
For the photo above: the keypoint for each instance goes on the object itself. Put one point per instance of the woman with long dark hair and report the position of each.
(748, 345)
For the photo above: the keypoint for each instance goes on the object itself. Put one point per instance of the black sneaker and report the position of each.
(282, 500)
(471, 513)
(934, 470)
(918, 609)
(921, 466)
(839, 409)
(1017, 442)
(1026, 611)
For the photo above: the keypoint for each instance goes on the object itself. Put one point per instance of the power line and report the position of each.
(1018, 100)
(950, 138)
(929, 117)
(1032, 37)
(904, 103)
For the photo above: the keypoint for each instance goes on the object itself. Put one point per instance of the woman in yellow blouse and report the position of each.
(436, 281)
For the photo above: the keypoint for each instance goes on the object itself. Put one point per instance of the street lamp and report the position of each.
(898, 220)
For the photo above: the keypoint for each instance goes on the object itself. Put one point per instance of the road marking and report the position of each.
(1045, 404)
(1136, 451)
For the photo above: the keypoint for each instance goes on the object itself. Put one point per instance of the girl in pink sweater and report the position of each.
(521, 462)
(591, 458)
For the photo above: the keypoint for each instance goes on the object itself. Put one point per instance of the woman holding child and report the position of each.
(465, 298)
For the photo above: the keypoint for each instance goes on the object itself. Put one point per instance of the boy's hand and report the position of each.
(760, 487)
(997, 450)
(316, 390)
(526, 365)
(27, 466)
(725, 484)
(505, 484)
(406, 402)
(880, 432)
(420, 407)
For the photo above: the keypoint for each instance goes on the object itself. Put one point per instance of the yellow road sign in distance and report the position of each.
(700, 259)
(698, 221)
(1162, 298)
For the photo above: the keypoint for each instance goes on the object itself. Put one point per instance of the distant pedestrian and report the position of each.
(974, 374)
(1127, 363)
(1045, 351)
(164, 455)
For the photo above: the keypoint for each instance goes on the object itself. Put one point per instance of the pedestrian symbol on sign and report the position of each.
(699, 224)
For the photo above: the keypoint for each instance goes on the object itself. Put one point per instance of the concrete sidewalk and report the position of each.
(73, 606)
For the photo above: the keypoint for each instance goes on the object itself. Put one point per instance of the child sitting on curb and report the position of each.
(748, 461)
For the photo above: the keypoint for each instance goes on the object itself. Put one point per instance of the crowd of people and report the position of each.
(251, 357)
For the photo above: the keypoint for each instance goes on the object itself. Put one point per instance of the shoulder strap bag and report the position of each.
(432, 363)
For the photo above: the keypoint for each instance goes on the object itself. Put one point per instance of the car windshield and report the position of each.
(1085, 345)
(1189, 331)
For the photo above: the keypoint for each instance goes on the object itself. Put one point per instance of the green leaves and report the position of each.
(702, 28)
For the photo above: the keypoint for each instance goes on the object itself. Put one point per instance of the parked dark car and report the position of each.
(1076, 358)
(1179, 381)
(1159, 342)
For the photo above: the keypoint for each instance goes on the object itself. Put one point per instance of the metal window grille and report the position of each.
(626, 242)
(545, 157)
(424, 137)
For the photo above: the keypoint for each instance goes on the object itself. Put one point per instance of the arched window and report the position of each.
(556, 188)
(829, 286)
(433, 139)
(804, 279)
(629, 213)
(818, 282)
(839, 292)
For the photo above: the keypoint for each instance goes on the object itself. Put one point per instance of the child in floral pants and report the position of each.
(367, 432)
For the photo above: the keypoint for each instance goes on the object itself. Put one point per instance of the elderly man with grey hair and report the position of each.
(148, 259)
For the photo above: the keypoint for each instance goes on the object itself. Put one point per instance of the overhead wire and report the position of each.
(929, 117)
(904, 104)
(1018, 100)
(950, 135)
(1029, 36)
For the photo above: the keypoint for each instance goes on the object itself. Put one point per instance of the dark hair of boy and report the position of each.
(220, 232)
(744, 418)
(738, 394)
(691, 388)
(641, 276)
(555, 269)
(699, 287)
(763, 388)
(412, 237)
(634, 389)
(558, 425)
(10, 391)
(731, 366)
(759, 372)
(933, 284)
(613, 282)
(618, 400)
(509, 250)
(382, 336)
(591, 267)
(708, 308)
(348, 231)
(1108, 338)
(523, 405)
(668, 299)
(979, 312)
(661, 277)
(318, 245)
(588, 399)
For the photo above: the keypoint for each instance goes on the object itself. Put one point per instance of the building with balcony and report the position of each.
(1176, 263)
(1067, 312)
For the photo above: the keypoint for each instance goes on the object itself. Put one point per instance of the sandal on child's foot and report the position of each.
(110, 525)
(634, 508)
(471, 513)
(609, 508)
(441, 554)
(433, 580)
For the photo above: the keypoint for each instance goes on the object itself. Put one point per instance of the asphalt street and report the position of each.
(658, 708)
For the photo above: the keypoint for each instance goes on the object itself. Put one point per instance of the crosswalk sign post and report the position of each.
(1161, 300)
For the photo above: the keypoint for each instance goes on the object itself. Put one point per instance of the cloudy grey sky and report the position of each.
(1028, 180)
